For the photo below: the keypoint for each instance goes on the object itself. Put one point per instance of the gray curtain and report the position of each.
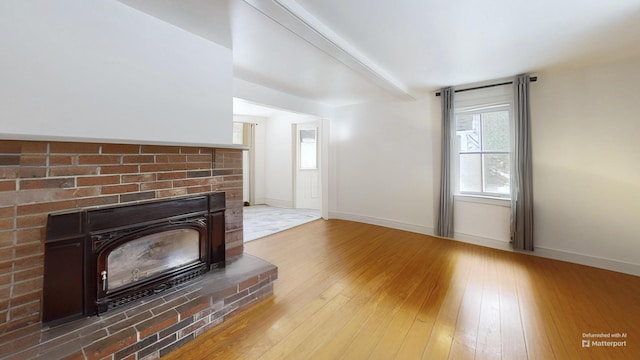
(444, 224)
(521, 173)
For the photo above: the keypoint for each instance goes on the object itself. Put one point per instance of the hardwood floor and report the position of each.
(354, 291)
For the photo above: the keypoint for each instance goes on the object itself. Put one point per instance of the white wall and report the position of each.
(586, 174)
(382, 168)
(586, 171)
(278, 163)
(279, 155)
(586, 163)
(482, 222)
(101, 70)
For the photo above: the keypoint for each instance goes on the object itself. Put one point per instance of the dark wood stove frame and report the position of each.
(78, 243)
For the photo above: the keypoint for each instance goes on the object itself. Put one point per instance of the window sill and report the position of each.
(483, 200)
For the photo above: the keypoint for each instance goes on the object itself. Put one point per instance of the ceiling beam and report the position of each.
(296, 19)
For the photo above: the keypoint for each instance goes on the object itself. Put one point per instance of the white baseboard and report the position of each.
(588, 260)
(279, 203)
(482, 241)
(382, 222)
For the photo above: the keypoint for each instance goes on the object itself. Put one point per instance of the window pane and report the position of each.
(470, 173)
(238, 133)
(468, 132)
(497, 173)
(495, 131)
(308, 149)
(308, 136)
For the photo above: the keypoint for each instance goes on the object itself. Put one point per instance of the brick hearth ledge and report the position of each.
(153, 326)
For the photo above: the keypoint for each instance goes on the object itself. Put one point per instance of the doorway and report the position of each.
(284, 167)
(307, 162)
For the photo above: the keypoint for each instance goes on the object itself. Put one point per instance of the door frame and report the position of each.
(322, 125)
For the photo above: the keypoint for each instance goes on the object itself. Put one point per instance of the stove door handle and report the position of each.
(104, 280)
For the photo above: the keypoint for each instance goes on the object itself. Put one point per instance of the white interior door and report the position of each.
(307, 175)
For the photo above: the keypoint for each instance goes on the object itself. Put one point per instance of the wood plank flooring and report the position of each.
(354, 291)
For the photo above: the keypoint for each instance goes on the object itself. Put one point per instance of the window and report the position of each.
(241, 133)
(308, 149)
(483, 144)
(238, 133)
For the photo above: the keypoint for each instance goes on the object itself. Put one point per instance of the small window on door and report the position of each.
(308, 149)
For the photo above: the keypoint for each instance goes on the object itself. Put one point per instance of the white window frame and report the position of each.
(477, 102)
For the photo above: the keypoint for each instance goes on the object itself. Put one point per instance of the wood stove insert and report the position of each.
(96, 260)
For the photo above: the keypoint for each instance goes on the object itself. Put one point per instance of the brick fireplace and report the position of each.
(42, 177)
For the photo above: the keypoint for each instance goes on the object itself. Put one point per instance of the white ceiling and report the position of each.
(206, 18)
(267, 53)
(341, 52)
(432, 43)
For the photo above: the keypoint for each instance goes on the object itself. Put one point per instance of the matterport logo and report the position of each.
(590, 340)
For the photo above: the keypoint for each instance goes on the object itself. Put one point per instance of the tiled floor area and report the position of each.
(263, 220)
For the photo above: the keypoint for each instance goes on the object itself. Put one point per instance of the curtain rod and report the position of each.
(531, 79)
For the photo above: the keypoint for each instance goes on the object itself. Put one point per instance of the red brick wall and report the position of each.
(37, 178)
